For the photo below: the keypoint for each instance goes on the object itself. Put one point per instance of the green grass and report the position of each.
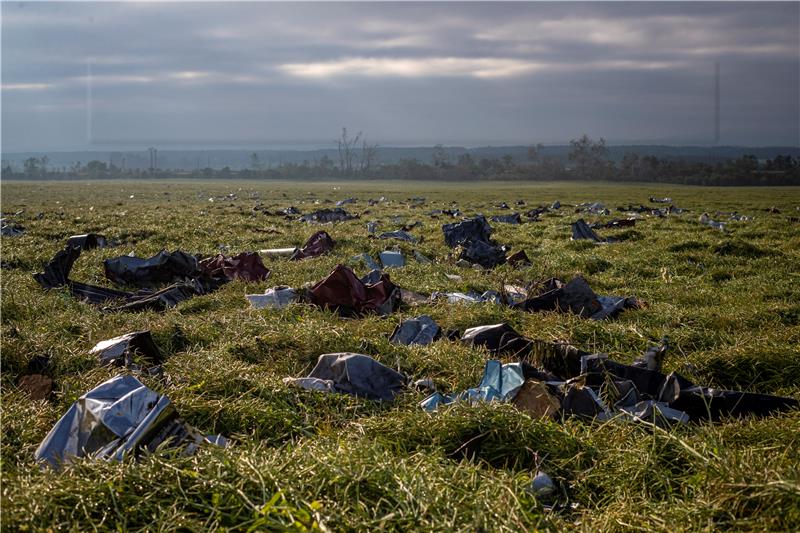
(302, 460)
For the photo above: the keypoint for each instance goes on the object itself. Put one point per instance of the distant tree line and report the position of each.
(588, 159)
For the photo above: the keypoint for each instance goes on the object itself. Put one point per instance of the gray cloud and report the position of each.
(77, 75)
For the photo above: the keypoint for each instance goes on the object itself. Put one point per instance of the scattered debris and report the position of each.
(318, 244)
(274, 298)
(323, 216)
(120, 351)
(420, 330)
(557, 377)
(616, 223)
(88, 241)
(512, 218)
(575, 297)
(392, 258)
(400, 235)
(56, 274)
(660, 200)
(706, 219)
(467, 298)
(367, 260)
(278, 252)
(164, 267)
(115, 419)
(519, 258)
(9, 229)
(246, 266)
(342, 291)
(581, 230)
(355, 374)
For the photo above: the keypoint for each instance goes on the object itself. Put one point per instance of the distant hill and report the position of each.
(241, 159)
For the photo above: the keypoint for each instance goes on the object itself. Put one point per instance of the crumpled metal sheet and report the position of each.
(471, 297)
(341, 290)
(274, 298)
(246, 266)
(483, 253)
(56, 274)
(164, 267)
(582, 231)
(88, 241)
(323, 216)
(511, 218)
(318, 244)
(419, 330)
(392, 259)
(399, 234)
(120, 351)
(499, 383)
(575, 297)
(490, 336)
(472, 230)
(519, 258)
(115, 419)
(9, 229)
(355, 374)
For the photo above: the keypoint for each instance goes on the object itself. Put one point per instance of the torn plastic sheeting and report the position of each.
(499, 383)
(576, 297)
(699, 403)
(318, 244)
(512, 218)
(420, 330)
(121, 350)
(705, 219)
(9, 229)
(164, 267)
(582, 231)
(324, 216)
(368, 261)
(274, 298)
(399, 234)
(519, 258)
(472, 230)
(88, 241)
(421, 258)
(483, 253)
(392, 259)
(616, 223)
(656, 412)
(117, 418)
(246, 266)
(468, 298)
(341, 290)
(489, 336)
(355, 374)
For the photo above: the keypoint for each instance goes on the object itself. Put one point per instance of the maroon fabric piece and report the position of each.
(343, 291)
(316, 245)
(246, 266)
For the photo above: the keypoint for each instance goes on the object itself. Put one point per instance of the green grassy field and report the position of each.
(730, 304)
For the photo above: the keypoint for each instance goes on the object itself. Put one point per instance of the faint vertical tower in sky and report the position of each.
(716, 103)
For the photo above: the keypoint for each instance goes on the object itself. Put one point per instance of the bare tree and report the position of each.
(369, 152)
(347, 150)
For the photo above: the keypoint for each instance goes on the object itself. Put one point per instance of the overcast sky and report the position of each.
(117, 75)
